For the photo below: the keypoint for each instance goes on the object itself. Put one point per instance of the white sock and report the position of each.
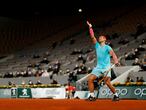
(116, 94)
(92, 94)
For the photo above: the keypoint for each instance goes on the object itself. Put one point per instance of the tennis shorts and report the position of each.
(100, 72)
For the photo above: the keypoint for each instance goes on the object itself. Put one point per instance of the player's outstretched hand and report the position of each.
(89, 24)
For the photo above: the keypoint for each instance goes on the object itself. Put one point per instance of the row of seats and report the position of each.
(62, 51)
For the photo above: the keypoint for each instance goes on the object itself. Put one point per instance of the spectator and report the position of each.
(88, 51)
(70, 77)
(143, 65)
(76, 67)
(45, 74)
(68, 71)
(17, 74)
(136, 52)
(70, 90)
(45, 61)
(61, 72)
(89, 70)
(73, 76)
(140, 48)
(141, 79)
(38, 73)
(50, 69)
(36, 56)
(83, 68)
(10, 83)
(75, 51)
(143, 41)
(30, 73)
(136, 62)
(56, 67)
(30, 65)
(72, 41)
(23, 83)
(38, 82)
(137, 79)
(47, 54)
(129, 80)
(131, 56)
(37, 65)
(30, 82)
(82, 58)
(54, 82)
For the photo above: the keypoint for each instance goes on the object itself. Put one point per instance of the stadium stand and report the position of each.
(67, 51)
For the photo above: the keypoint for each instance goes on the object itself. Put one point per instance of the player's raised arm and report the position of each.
(91, 33)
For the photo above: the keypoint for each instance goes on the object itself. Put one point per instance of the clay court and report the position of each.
(73, 104)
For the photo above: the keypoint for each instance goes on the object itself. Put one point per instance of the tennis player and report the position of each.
(103, 54)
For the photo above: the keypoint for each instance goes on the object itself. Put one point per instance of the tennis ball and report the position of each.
(80, 10)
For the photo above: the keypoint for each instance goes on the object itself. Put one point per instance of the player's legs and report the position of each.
(112, 88)
(94, 75)
(91, 79)
(107, 81)
(96, 72)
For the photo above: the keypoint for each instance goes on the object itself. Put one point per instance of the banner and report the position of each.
(83, 94)
(5, 93)
(129, 92)
(24, 93)
(13, 92)
(124, 92)
(54, 93)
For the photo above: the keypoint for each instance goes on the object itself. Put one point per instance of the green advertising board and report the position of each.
(24, 93)
(13, 92)
(128, 92)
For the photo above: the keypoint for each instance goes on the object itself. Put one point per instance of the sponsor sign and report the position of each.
(54, 93)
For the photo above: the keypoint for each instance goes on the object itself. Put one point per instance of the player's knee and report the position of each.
(91, 79)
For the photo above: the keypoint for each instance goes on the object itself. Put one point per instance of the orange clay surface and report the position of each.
(72, 104)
